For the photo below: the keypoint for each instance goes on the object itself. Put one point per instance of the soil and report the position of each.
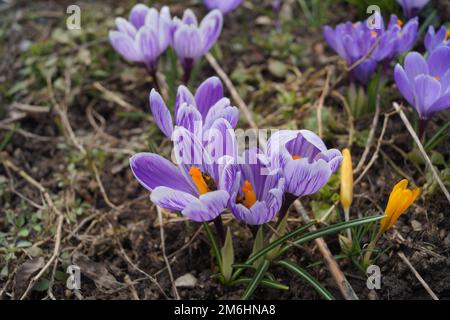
(116, 233)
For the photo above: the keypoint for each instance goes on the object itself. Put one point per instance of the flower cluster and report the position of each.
(225, 6)
(211, 175)
(147, 33)
(364, 46)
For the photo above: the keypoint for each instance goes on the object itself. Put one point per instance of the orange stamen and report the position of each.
(199, 182)
(437, 78)
(400, 23)
(296, 157)
(374, 33)
(249, 194)
(447, 35)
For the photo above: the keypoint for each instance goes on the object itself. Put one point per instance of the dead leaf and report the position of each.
(24, 274)
(96, 271)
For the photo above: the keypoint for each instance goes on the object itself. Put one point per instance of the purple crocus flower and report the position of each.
(257, 194)
(144, 37)
(307, 163)
(224, 6)
(412, 7)
(195, 113)
(191, 40)
(353, 41)
(435, 39)
(425, 84)
(199, 187)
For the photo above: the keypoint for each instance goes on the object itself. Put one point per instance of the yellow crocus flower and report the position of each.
(399, 201)
(346, 197)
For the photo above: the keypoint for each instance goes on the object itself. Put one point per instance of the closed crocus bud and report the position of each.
(399, 201)
(346, 180)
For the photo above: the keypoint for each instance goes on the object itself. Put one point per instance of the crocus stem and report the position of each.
(422, 126)
(347, 218)
(289, 199)
(218, 223)
(187, 66)
(152, 72)
(370, 249)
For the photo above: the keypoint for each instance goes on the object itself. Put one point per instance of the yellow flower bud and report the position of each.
(399, 201)
(346, 179)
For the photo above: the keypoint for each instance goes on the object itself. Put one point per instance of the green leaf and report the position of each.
(273, 245)
(227, 257)
(268, 283)
(281, 231)
(214, 245)
(41, 285)
(438, 137)
(256, 280)
(308, 277)
(258, 245)
(331, 230)
(23, 233)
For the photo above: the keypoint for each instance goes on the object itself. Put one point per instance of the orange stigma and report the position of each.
(400, 23)
(199, 182)
(296, 157)
(374, 33)
(437, 78)
(249, 194)
(447, 35)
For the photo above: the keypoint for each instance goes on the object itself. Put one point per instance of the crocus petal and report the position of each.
(222, 109)
(439, 62)
(189, 17)
(304, 178)
(403, 84)
(415, 65)
(152, 171)
(171, 199)
(183, 96)
(147, 41)
(210, 28)
(209, 92)
(161, 113)
(187, 42)
(207, 207)
(189, 118)
(442, 103)
(125, 27)
(427, 91)
(125, 45)
(138, 14)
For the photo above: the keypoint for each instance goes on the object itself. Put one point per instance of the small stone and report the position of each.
(186, 281)
(416, 225)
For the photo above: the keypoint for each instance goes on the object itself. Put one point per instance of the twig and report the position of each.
(351, 125)
(241, 104)
(366, 56)
(320, 102)
(163, 249)
(421, 149)
(373, 128)
(418, 276)
(340, 279)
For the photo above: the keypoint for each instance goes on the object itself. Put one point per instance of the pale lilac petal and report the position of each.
(403, 84)
(210, 29)
(415, 65)
(442, 103)
(138, 14)
(427, 91)
(208, 207)
(152, 171)
(209, 92)
(161, 113)
(125, 45)
(189, 118)
(147, 41)
(189, 17)
(222, 109)
(171, 199)
(187, 42)
(183, 96)
(125, 27)
(333, 157)
(304, 178)
(220, 140)
(439, 62)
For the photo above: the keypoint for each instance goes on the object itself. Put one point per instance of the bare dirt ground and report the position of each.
(72, 112)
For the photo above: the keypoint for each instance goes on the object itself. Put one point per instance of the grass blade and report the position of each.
(332, 229)
(308, 277)
(268, 283)
(256, 280)
(214, 244)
